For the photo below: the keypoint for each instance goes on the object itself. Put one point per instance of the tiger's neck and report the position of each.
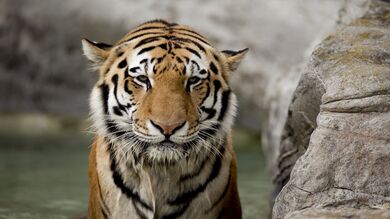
(154, 187)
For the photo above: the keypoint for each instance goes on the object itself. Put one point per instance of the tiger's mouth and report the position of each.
(162, 149)
(168, 143)
(166, 150)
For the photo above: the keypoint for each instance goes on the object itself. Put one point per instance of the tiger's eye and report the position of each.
(142, 78)
(193, 80)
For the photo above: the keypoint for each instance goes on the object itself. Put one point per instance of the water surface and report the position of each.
(45, 176)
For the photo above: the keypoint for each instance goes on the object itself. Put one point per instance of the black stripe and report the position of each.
(193, 51)
(141, 35)
(177, 213)
(181, 39)
(217, 86)
(148, 40)
(157, 126)
(163, 46)
(167, 27)
(126, 74)
(146, 28)
(127, 88)
(105, 92)
(178, 59)
(113, 129)
(116, 111)
(104, 209)
(118, 180)
(225, 104)
(122, 64)
(213, 68)
(177, 128)
(102, 45)
(99, 45)
(206, 133)
(191, 31)
(210, 111)
(216, 57)
(195, 37)
(138, 211)
(194, 173)
(188, 196)
(134, 69)
(105, 216)
(195, 63)
(206, 95)
(114, 80)
(159, 60)
(222, 194)
(176, 46)
(146, 49)
(110, 125)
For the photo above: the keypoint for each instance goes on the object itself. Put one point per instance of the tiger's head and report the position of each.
(163, 92)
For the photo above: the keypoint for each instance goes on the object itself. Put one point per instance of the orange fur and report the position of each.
(169, 104)
(95, 210)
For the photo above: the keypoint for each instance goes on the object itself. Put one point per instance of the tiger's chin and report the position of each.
(166, 151)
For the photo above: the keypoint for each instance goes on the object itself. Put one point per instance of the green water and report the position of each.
(46, 176)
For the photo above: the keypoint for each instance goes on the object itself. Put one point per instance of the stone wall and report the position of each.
(336, 137)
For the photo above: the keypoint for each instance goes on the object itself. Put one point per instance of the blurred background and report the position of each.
(45, 84)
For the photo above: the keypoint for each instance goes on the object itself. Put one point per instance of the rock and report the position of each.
(351, 213)
(279, 94)
(301, 121)
(339, 119)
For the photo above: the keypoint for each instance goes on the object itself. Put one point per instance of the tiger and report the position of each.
(162, 112)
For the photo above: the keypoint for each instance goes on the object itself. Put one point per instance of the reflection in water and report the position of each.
(46, 177)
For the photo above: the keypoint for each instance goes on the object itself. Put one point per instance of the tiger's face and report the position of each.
(163, 92)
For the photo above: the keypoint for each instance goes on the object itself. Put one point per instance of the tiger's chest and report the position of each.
(176, 192)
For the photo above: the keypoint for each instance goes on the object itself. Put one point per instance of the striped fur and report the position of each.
(162, 110)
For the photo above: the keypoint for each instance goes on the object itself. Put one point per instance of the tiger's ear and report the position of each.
(233, 58)
(95, 52)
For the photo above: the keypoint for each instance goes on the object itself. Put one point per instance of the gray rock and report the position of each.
(339, 119)
(279, 95)
(301, 121)
(350, 213)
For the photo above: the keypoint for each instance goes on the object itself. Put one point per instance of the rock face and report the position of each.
(279, 94)
(42, 69)
(339, 119)
(352, 213)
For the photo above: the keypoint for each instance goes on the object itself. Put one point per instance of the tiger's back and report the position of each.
(163, 111)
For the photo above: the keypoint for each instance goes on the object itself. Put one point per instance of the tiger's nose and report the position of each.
(167, 129)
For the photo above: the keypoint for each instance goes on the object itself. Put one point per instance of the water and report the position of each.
(46, 176)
